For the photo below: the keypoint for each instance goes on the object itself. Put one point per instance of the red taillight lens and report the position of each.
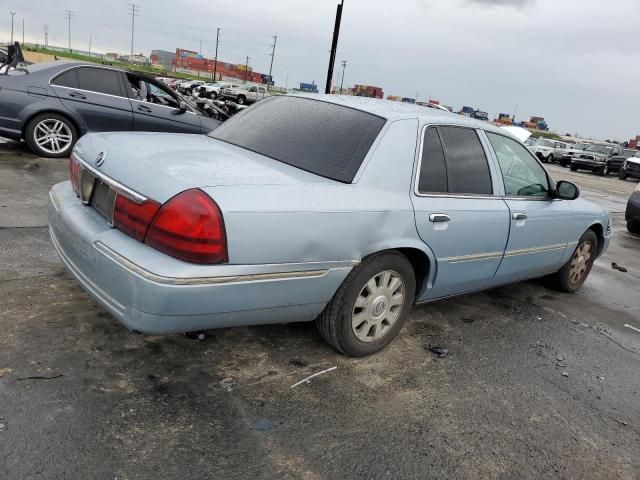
(190, 227)
(133, 218)
(74, 174)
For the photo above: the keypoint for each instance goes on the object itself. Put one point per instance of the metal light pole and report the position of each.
(134, 12)
(215, 60)
(246, 69)
(90, 44)
(334, 46)
(344, 66)
(13, 14)
(273, 54)
(23, 31)
(69, 14)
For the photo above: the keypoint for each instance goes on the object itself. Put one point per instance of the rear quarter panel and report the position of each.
(327, 221)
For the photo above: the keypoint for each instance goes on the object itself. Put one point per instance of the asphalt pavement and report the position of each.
(537, 383)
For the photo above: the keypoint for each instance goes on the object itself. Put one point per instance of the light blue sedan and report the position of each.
(342, 210)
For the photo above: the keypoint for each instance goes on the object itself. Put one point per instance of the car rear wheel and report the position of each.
(371, 306)
(633, 226)
(622, 175)
(604, 171)
(574, 273)
(213, 95)
(550, 158)
(241, 100)
(573, 168)
(51, 135)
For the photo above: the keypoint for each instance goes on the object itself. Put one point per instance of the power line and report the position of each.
(273, 54)
(134, 11)
(13, 14)
(69, 15)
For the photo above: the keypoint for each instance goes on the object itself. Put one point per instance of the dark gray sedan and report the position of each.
(56, 103)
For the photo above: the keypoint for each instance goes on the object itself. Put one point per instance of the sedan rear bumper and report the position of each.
(156, 294)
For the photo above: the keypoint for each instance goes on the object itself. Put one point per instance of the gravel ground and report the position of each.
(537, 384)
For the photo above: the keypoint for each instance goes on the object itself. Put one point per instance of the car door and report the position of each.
(457, 213)
(540, 224)
(97, 96)
(156, 108)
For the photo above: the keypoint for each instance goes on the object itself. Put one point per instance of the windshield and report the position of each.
(598, 149)
(319, 137)
(580, 146)
(630, 153)
(545, 143)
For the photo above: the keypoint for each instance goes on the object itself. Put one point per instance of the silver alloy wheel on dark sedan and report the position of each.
(51, 135)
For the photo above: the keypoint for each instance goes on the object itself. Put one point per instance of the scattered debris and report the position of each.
(615, 266)
(196, 335)
(468, 319)
(565, 374)
(314, 375)
(440, 352)
(262, 425)
(4, 371)
(632, 327)
(3, 424)
(575, 321)
(273, 372)
(622, 422)
(42, 377)
(228, 384)
(601, 379)
(560, 359)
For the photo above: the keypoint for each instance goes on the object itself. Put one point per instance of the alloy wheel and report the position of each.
(580, 263)
(378, 306)
(52, 136)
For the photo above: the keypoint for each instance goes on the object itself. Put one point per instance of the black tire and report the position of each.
(334, 324)
(564, 163)
(562, 278)
(550, 158)
(213, 95)
(633, 226)
(241, 100)
(573, 168)
(622, 175)
(605, 170)
(30, 135)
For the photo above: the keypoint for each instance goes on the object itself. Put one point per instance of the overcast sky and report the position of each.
(574, 62)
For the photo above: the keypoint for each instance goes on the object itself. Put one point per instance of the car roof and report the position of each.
(400, 110)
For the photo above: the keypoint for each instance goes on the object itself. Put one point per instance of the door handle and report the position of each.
(77, 95)
(519, 216)
(142, 108)
(439, 218)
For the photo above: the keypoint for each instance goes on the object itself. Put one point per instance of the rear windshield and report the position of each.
(322, 138)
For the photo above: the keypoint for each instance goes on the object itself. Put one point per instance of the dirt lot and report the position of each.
(538, 384)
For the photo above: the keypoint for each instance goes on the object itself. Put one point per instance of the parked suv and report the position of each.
(245, 94)
(596, 158)
(186, 88)
(572, 151)
(549, 150)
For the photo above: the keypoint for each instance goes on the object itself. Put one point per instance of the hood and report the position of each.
(160, 165)
(635, 160)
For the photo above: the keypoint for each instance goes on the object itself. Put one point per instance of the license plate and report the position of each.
(103, 200)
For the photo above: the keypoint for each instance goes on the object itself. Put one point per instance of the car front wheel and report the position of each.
(604, 171)
(51, 135)
(574, 273)
(622, 175)
(573, 168)
(241, 100)
(371, 306)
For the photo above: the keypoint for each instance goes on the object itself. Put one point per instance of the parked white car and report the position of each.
(245, 94)
(549, 150)
(211, 90)
(186, 88)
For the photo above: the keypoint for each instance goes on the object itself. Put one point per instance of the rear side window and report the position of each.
(319, 137)
(433, 174)
(67, 79)
(100, 80)
(464, 170)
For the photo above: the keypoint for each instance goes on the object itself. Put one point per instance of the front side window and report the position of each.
(100, 80)
(523, 176)
(453, 161)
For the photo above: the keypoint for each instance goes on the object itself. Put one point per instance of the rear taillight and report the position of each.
(74, 173)
(133, 218)
(190, 227)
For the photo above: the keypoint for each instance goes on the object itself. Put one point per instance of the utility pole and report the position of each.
(46, 35)
(215, 60)
(90, 44)
(200, 51)
(69, 15)
(134, 11)
(334, 46)
(12, 15)
(273, 54)
(246, 69)
(344, 66)
(23, 31)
